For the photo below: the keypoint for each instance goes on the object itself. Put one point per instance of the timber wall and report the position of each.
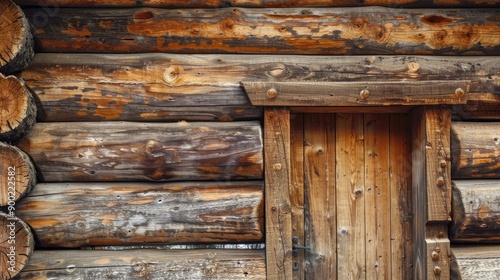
(145, 136)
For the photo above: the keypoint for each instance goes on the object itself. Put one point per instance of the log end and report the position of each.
(18, 49)
(17, 109)
(17, 174)
(16, 247)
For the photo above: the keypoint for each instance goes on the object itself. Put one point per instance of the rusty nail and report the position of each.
(437, 270)
(277, 166)
(440, 181)
(272, 93)
(443, 164)
(435, 256)
(364, 94)
(459, 92)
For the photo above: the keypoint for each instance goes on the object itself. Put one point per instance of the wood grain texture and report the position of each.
(476, 262)
(170, 87)
(17, 108)
(475, 150)
(98, 214)
(17, 47)
(17, 175)
(278, 201)
(129, 151)
(476, 211)
(350, 191)
(146, 264)
(479, 107)
(16, 245)
(256, 3)
(370, 93)
(373, 30)
(320, 209)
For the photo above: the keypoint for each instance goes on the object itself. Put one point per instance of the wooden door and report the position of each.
(351, 196)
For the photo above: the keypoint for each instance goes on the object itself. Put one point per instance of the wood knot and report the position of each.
(364, 94)
(435, 20)
(413, 67)
(172, 74)
(143, 15)
(277, 166)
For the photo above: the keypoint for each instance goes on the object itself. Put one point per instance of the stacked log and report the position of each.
(17, 245)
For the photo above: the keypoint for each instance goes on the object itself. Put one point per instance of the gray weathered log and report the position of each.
(476, 262)
(130, 151)
(146, 264)
(159, 87)
(106, 214)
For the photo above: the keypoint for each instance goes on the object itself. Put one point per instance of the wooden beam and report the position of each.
(477, 262)
(17, 48)
(431, 191)
(16, 247)
(475, 150)
(371, 93)
(278, 190)
(171, 87)
(339, 31)
(73, 215)
(485, 106)
(146, 264)
(256, 3)
(476, 211)
(130, 151)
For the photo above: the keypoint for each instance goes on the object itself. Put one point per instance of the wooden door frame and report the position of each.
(431, 185)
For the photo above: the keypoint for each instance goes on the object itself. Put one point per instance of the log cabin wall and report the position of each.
(145, 136)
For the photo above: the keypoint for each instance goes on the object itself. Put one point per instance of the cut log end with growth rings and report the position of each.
(17, 175)
(17, 47)
(16, 245)
(17, 109)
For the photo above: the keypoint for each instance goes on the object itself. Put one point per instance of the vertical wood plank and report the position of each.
(377, 196)
(431, 191)
(278, 205)
(297, 188)
(350, 191)
(401, 198)
(320, 212)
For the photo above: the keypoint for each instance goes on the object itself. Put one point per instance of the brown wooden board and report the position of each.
(146, 264)
(476, 262)
(367, 30)
(256, 3)
(475, 150)
(171, 87)
(476, 211)
(370, 93)
(103, 214)
(130, 151)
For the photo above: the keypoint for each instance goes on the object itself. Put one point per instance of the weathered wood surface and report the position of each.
(16, 49)
(475, 150)
(370, 93)
(479, 107)
(104, 214)
(255, 3)
(431, 191)
(478, 262)
(129, 151)
(17, 175)
(278, 191)
(16, 245)
(17, 108)
(370, 30)
(476, 211)
(163, 87)
(146, 264)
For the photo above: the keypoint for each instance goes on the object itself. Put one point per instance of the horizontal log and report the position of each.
(371, 30)
(17, 175)
(475, 150)
(256, 3)
(206, 87)
(105, 214)
(356, 93)
(479, 107)
(17, 108)
(146, 264)
(129, 151)
(476, 211)
(478, 262)
(17, 47)
(16, 246)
